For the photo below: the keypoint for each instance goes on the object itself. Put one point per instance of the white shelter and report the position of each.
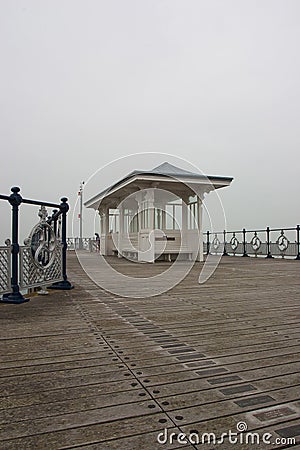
(156, 214)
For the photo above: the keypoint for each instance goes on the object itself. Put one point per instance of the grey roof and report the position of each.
(168, 169)
(165, 169)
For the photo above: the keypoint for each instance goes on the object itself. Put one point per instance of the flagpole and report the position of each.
(80, 193)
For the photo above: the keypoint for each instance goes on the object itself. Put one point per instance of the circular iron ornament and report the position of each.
(42, 242)
(282, 242)
(234, 243)
(255, 242)
(216, 243)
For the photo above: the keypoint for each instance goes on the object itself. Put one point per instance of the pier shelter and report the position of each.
(154, 215)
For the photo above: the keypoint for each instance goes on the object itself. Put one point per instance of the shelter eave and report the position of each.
(131, 184)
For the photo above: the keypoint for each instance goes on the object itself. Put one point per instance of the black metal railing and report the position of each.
(13, 248)
(85, 243)
(269, 242)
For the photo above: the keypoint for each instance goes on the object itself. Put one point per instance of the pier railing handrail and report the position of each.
(254, 231)
(13, 247)
(256, 246)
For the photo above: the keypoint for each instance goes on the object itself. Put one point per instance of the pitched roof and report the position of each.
(164, 170)
(169, 169)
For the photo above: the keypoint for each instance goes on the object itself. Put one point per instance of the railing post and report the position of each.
(244, 243)
(54, 220)
(268, 243)
(298, 241)
(207, 243)
(224, 249)
(15, 296)
(65, 284)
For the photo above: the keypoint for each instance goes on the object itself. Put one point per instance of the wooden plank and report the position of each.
(90, 369)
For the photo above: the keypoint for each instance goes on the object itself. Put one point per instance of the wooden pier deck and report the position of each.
(89, 370)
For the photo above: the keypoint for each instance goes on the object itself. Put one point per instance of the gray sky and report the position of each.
(215, 82)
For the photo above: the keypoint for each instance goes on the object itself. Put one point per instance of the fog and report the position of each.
(213, 82)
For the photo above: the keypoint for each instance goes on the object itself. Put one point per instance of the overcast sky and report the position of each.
(215, 82)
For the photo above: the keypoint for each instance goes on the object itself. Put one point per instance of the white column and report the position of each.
(184, 215)
(152, 217)
(151, 252)
(200, 228)
(159, 214)
(121, 230)
(106, 221)
(104, 214)
(138, 198)
(101, 223)
(184, 222)
(163, 217)
(146, 236)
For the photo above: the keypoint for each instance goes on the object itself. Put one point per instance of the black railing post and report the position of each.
(298, 241)
(15, 296)
(224, 249)
(54, 220)
(269, 255)
(207, 243)
(65, 284)
(244, 243)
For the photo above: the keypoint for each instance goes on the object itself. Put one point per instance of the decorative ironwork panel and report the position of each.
(281, 246)
(234, 243)
(255, 243)
(5, 269)
(260, 250)
(32, 276)
(41, 257)
(216, 246)
(71, 243)
(86, 243)
(282, 242)
(80, 244)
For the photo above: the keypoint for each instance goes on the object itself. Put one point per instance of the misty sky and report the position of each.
(215, 82)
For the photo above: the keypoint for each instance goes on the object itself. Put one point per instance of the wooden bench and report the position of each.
(169, 253)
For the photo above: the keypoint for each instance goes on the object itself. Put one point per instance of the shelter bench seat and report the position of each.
(165, 256)
(127, 252)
